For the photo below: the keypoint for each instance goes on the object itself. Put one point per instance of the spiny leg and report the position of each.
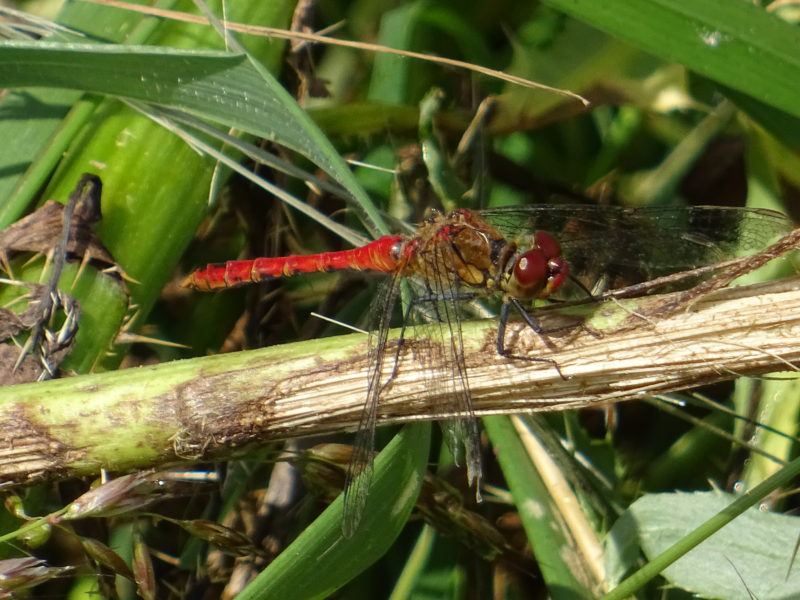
(531, 322)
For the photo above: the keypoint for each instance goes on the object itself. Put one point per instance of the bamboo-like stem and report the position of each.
(217, 407)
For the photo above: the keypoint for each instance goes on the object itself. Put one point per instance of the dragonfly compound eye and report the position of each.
(535, 275)
(557, 273)
(530, 272)
(547, 244)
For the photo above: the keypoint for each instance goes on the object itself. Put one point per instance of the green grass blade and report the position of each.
(44, 121)
(537, 511)
(737, 44)
(398, 477)
(32, 118)
(224, 87)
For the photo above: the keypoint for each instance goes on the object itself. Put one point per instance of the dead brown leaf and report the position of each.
(62, 233)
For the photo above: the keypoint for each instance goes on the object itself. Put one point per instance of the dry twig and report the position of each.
(216, 407)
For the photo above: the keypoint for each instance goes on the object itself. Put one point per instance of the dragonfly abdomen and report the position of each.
(382, 255)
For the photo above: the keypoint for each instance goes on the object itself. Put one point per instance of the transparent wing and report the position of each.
(439, 309)
(360, 470)
(631, 245)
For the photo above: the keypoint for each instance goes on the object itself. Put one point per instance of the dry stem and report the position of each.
(217, 407)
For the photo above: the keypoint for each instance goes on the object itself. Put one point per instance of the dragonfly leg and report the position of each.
(531, 322)
(407, 319)
(463, 428)
(583, 288)
(400, 340)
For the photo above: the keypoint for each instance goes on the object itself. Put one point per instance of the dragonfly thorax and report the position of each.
(459, 250)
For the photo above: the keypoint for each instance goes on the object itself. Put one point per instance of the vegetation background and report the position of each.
(693, 103)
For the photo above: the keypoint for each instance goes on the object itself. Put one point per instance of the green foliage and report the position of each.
(691, 102)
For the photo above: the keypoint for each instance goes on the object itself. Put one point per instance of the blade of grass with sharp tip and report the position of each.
(224, 87)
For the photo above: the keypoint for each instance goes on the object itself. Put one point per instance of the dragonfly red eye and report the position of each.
(548, 245)
(557, 274)
(530, 269)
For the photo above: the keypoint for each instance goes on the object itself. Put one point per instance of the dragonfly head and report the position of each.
(538, 272)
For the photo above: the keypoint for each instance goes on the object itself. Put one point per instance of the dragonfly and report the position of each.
(519, 255)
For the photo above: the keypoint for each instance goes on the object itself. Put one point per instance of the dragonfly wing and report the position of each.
(360, 470)
(438, 316)
(632, 245)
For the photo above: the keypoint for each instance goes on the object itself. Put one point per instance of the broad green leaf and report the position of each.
(748, 558)
(709, 525)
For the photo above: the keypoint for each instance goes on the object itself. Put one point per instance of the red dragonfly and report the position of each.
(512, 253)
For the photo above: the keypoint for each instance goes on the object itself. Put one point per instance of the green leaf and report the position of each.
(707, 527)
(748, 558)
(539, 514)
(737, 44)
(227, 88)
(31, 118)
(37, 118)
(394, 491)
